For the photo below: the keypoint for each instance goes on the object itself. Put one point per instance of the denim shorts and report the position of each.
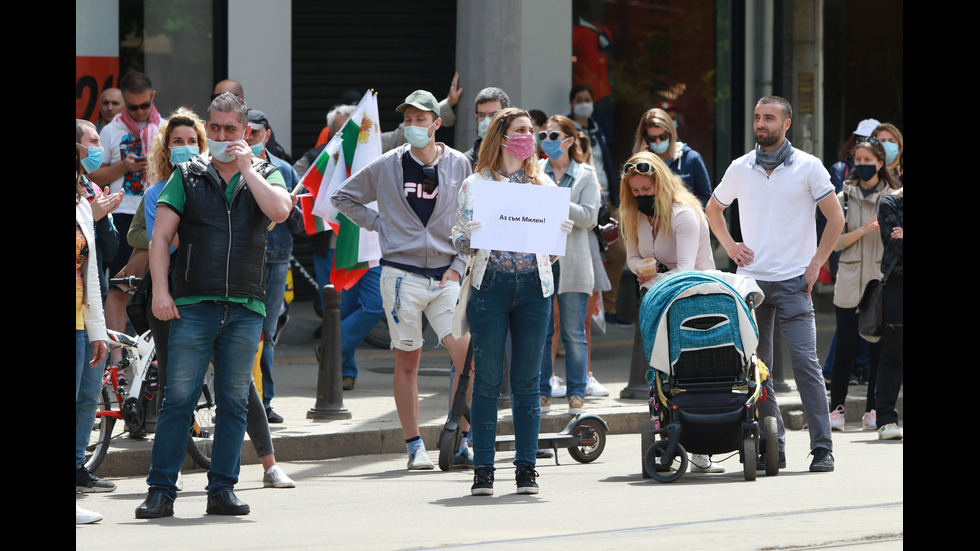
(405, 296)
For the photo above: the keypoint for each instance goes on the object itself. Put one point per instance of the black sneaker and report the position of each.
(273, 416)
(525, 480)
(823, 461)
(86, 482)
(761, 465)
(482, 481)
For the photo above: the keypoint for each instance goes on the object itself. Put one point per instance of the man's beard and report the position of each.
(768, 140)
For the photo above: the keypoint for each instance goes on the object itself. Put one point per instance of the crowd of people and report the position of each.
(203, 209)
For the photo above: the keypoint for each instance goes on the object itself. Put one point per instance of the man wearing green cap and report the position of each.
(415, 186)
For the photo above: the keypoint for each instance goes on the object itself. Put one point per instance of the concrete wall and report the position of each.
(260, 57)
(521, 46)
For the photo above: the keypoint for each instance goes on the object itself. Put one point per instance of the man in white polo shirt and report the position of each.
(778, 188)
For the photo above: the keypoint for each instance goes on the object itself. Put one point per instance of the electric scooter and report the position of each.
(584, 436)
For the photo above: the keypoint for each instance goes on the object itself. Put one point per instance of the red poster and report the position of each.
(92, 76)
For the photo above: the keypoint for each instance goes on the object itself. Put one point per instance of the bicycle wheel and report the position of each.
(105, 432)
(201, 437)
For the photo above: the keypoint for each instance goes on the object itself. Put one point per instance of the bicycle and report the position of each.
(122, 401)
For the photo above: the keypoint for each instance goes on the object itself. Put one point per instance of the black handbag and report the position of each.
(869, 309)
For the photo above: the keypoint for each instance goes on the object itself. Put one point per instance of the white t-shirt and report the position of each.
(776, 212)
(118, 143)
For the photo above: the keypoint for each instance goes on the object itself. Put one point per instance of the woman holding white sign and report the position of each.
(665, 231)
(511, 292)
(573, 273)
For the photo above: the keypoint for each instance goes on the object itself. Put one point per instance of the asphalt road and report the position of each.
(372, 502)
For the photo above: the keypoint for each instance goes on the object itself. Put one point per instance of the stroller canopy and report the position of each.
(660, 332)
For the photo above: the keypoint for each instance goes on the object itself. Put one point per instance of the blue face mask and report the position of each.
(891, 151)
(552, 148)
(659, 147)
(183, 153)
(257, 149)
(418, 136)
(94, 159)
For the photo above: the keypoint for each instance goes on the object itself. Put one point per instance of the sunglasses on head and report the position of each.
(665, 137)
(553, 135)
(637, 168)
(430, 182)
(869, 139)
(140, 107)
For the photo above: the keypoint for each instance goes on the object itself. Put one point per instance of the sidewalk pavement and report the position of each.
(374, 428)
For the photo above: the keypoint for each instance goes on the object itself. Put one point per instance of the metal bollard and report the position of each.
(329, 395)
(637, 387)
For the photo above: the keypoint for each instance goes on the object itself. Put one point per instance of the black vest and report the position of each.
(222, 246)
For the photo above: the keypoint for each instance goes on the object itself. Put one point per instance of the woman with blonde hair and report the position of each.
(663, 224)
(665, 231)
(656, 133)
(511, 292)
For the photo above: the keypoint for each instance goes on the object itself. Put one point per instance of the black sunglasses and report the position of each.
(665, 137)
(140, 107)
(868, 139)
(637, 168)
(431, 179)
(553, 135)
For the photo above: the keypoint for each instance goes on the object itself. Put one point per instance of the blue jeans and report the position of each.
(507, 302)
(228, 335)
(572, 310)
(275, 288)
(360, 310)
(88, 388)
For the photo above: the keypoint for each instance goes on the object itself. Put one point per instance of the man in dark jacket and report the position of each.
(220, 204)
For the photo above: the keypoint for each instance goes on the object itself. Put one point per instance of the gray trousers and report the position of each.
(788, 300)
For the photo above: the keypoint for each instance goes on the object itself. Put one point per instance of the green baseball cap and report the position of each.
(422, 100)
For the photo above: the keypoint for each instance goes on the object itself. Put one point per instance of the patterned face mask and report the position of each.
(521, 146)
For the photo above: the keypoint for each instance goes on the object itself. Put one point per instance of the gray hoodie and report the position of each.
(404, 240)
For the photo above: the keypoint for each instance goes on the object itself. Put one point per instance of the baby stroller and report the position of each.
(701, 337)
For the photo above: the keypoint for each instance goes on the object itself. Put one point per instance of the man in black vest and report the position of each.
(220, 205)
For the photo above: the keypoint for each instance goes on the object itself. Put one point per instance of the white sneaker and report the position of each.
(837, 418)
(891, 431)
(557, 391)
(870, 420)
(595, 388)
(702, 464)
(418, 460)
(84, 516)
(180, 482)
(275, 478)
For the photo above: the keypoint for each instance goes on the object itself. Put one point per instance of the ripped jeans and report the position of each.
(507, 302)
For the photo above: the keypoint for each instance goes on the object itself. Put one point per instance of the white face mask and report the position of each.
(583, 110)
(217, 150)
(481, 129)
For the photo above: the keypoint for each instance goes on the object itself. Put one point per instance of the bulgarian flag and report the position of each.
(357, 144)
(319, 173)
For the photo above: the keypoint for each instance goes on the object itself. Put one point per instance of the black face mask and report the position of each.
(646, 204)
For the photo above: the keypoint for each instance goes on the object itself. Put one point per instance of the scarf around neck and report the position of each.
(146, 133)
(771, 159)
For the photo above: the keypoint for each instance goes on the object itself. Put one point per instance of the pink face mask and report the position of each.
(521, 146)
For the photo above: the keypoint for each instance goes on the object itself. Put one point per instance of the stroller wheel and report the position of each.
(772, 443)
(655, 458)
(749, 457)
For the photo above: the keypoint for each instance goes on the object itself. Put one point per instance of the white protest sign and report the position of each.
(521, 218)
